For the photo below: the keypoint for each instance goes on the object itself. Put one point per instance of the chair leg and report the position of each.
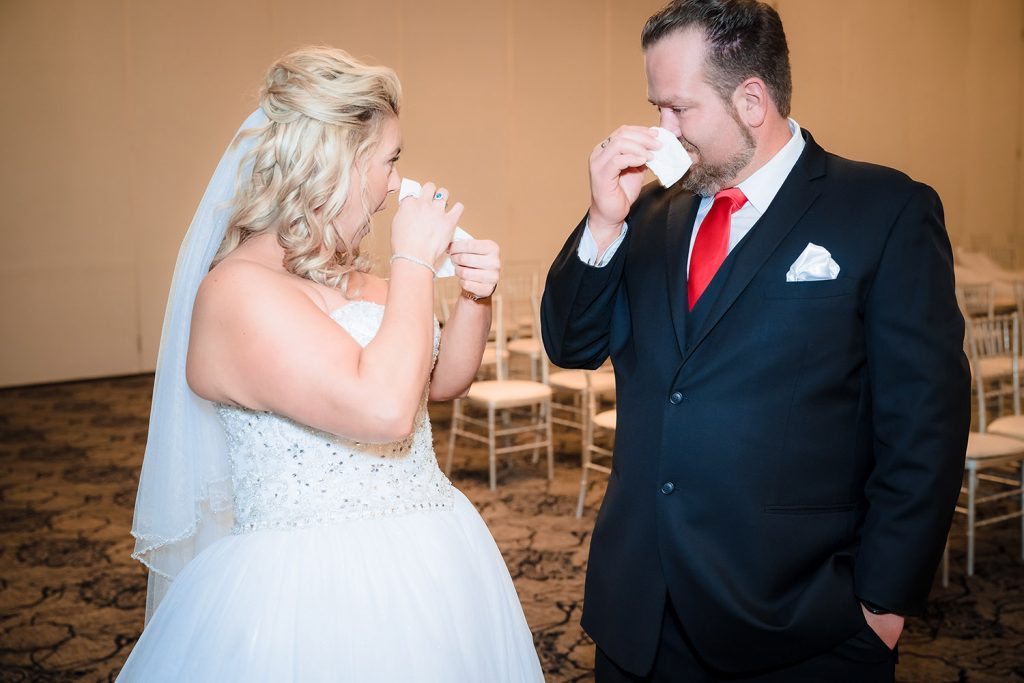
(580, 404)
(536, 420)
(586, 441)
(588, 408)
(585, 467)
(945, 564)
(456, 418)
(551, 441)
(972, 488)
(491, 445)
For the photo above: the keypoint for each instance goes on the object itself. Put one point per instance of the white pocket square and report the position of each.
(815, 263)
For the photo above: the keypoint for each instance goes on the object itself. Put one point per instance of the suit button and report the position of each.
(676, 398)
(667, 488)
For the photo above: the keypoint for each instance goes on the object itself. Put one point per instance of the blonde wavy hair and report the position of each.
(326, 111)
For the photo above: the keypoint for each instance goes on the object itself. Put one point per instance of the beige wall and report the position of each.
(116, 112)
(932, 87)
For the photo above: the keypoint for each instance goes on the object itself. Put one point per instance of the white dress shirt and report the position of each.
(760, 189)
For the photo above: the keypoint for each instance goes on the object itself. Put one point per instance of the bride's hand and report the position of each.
(477, 265)
(422, 228)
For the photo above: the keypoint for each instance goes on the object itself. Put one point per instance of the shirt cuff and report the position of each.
(587, 251)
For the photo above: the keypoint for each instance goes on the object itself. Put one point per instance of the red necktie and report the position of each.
(712, 244)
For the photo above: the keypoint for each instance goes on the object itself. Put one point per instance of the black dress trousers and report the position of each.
(863, 658)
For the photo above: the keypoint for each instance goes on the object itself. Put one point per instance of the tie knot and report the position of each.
(734, 196)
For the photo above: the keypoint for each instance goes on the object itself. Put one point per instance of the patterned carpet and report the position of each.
(72, 600)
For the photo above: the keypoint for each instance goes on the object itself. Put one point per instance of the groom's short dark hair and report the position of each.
(744, 38)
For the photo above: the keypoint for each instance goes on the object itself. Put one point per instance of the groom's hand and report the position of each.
(888, 627)
(616, 176)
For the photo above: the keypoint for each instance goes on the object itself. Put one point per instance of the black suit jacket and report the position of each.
(785, 449)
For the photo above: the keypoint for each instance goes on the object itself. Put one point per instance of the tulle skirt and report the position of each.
(414, 597)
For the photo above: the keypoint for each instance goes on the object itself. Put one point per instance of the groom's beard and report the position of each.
(705, 178)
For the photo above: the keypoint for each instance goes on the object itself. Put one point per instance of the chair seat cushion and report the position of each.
(992, 446)
(524, 322)
(605, 419)
(996, 366)
(527, 347)
(1012, 426)
(576, 380)
(509, 393)
(490, 356)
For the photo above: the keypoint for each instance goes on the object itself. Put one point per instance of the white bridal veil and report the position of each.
(184, 501)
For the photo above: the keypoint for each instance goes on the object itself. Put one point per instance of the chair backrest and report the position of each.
(995, 337)
(446, 290)
(543, 359)
(1003, 258)
(979, 261)
(976, 299)
(500, 338)
(1018, 295)
(517, 287)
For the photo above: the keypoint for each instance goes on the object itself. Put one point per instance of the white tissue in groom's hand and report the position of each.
(410, 188)
(670, 162)
(815, 263)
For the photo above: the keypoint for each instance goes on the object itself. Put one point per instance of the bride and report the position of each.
(290, 509)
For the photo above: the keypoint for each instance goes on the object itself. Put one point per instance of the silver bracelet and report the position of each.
(415, 260)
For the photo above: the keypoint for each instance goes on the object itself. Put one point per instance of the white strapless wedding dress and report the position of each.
(348, 562)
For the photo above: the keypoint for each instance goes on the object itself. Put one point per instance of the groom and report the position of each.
(793, 398)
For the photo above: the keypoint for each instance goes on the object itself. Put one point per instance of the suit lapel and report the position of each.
(682, 212)
(794, 198)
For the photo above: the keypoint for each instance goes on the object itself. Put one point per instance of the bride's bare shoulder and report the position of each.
(241, 286)
(230, 282)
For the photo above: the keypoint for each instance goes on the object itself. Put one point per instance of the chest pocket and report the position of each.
(817, 289)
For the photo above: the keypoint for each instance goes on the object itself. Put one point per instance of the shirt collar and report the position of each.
(761, 187)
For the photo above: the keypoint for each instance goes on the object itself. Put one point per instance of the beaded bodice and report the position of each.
(286, 474)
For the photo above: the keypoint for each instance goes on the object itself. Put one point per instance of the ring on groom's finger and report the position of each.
(606, 141)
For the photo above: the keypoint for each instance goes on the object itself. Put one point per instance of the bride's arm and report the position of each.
(262, 344)
(477, 264)
(462, 346)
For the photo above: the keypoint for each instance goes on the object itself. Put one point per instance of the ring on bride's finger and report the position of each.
(438, 196)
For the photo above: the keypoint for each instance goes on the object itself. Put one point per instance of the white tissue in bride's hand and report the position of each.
(670, 162)
(410, 188)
